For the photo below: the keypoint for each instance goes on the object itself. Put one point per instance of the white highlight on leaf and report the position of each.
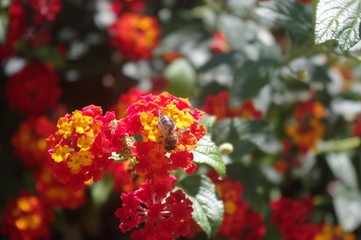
(338, 20)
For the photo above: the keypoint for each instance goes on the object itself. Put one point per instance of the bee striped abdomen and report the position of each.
(166, 121)
(167, 127)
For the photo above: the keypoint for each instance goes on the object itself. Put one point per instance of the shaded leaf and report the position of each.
(3, 26)
(230, 59)
(239, 129)
(101, 190)
(181, 76)
(207, 207)
(242, 147)
(250, 79)
(347, 203)
(291, 15)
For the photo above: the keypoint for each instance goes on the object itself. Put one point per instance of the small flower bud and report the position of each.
(302, 74)
(226, 148)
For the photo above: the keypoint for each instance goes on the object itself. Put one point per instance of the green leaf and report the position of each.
(342, 167)
(291, 15)
(232, 26)
(239, 129)
(3, 26)
(231, 59)
(101, 190)
(338, 20)
(320, 74)
(181, 76)
(250, 79)
(347, 203)
(242, 147)
(208, 209)
(208, 153)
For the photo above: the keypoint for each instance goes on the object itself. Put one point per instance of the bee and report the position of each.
(167, 127)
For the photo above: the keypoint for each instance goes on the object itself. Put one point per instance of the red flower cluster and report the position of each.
(26, 218)
(15, 29)
(219, 43)
(29, 141)
(119, 6)
(19, 27)
(45, 10)
(219, 106)
(81, 147)
(125, 177)
(166, 129)
(164, 217)
(357, 126)
(135, 36)
(167, 125)
(329, 232)
(33, 90)
(125, 100)
(53, 194)
(291, 217)
(239, 220)
(308, 129)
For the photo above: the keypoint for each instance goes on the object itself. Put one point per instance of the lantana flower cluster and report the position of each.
(135, 36)
(293, 218)
(239, 220)
(219, 106)
(29, 141)
(25, 217)
(29, 22)
(163, 216)
(80, 149)
(330, 232)
(34, 89)
(86, 143)
(308, 128)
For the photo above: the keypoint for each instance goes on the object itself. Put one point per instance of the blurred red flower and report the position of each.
(219, 106)
(239, 220)
(33, 90)
(291, 216)
(29, 141)
(26, 218)
(135, 36)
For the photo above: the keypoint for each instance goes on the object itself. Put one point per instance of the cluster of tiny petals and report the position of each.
(119, 6)
(53, 194)
(81, 148)
(149, 107)
(291, 216)
(308, 128)
(135, 36)
(329, 232)
(26, 218)
(15, 29)
(125, 178)
(29, 141)
(151, 154)
(46, 10)
(33, 90)
(154, 162)
(125, 100)
(220, 107)
(163, 216)
(219, 43)
(239, 220)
